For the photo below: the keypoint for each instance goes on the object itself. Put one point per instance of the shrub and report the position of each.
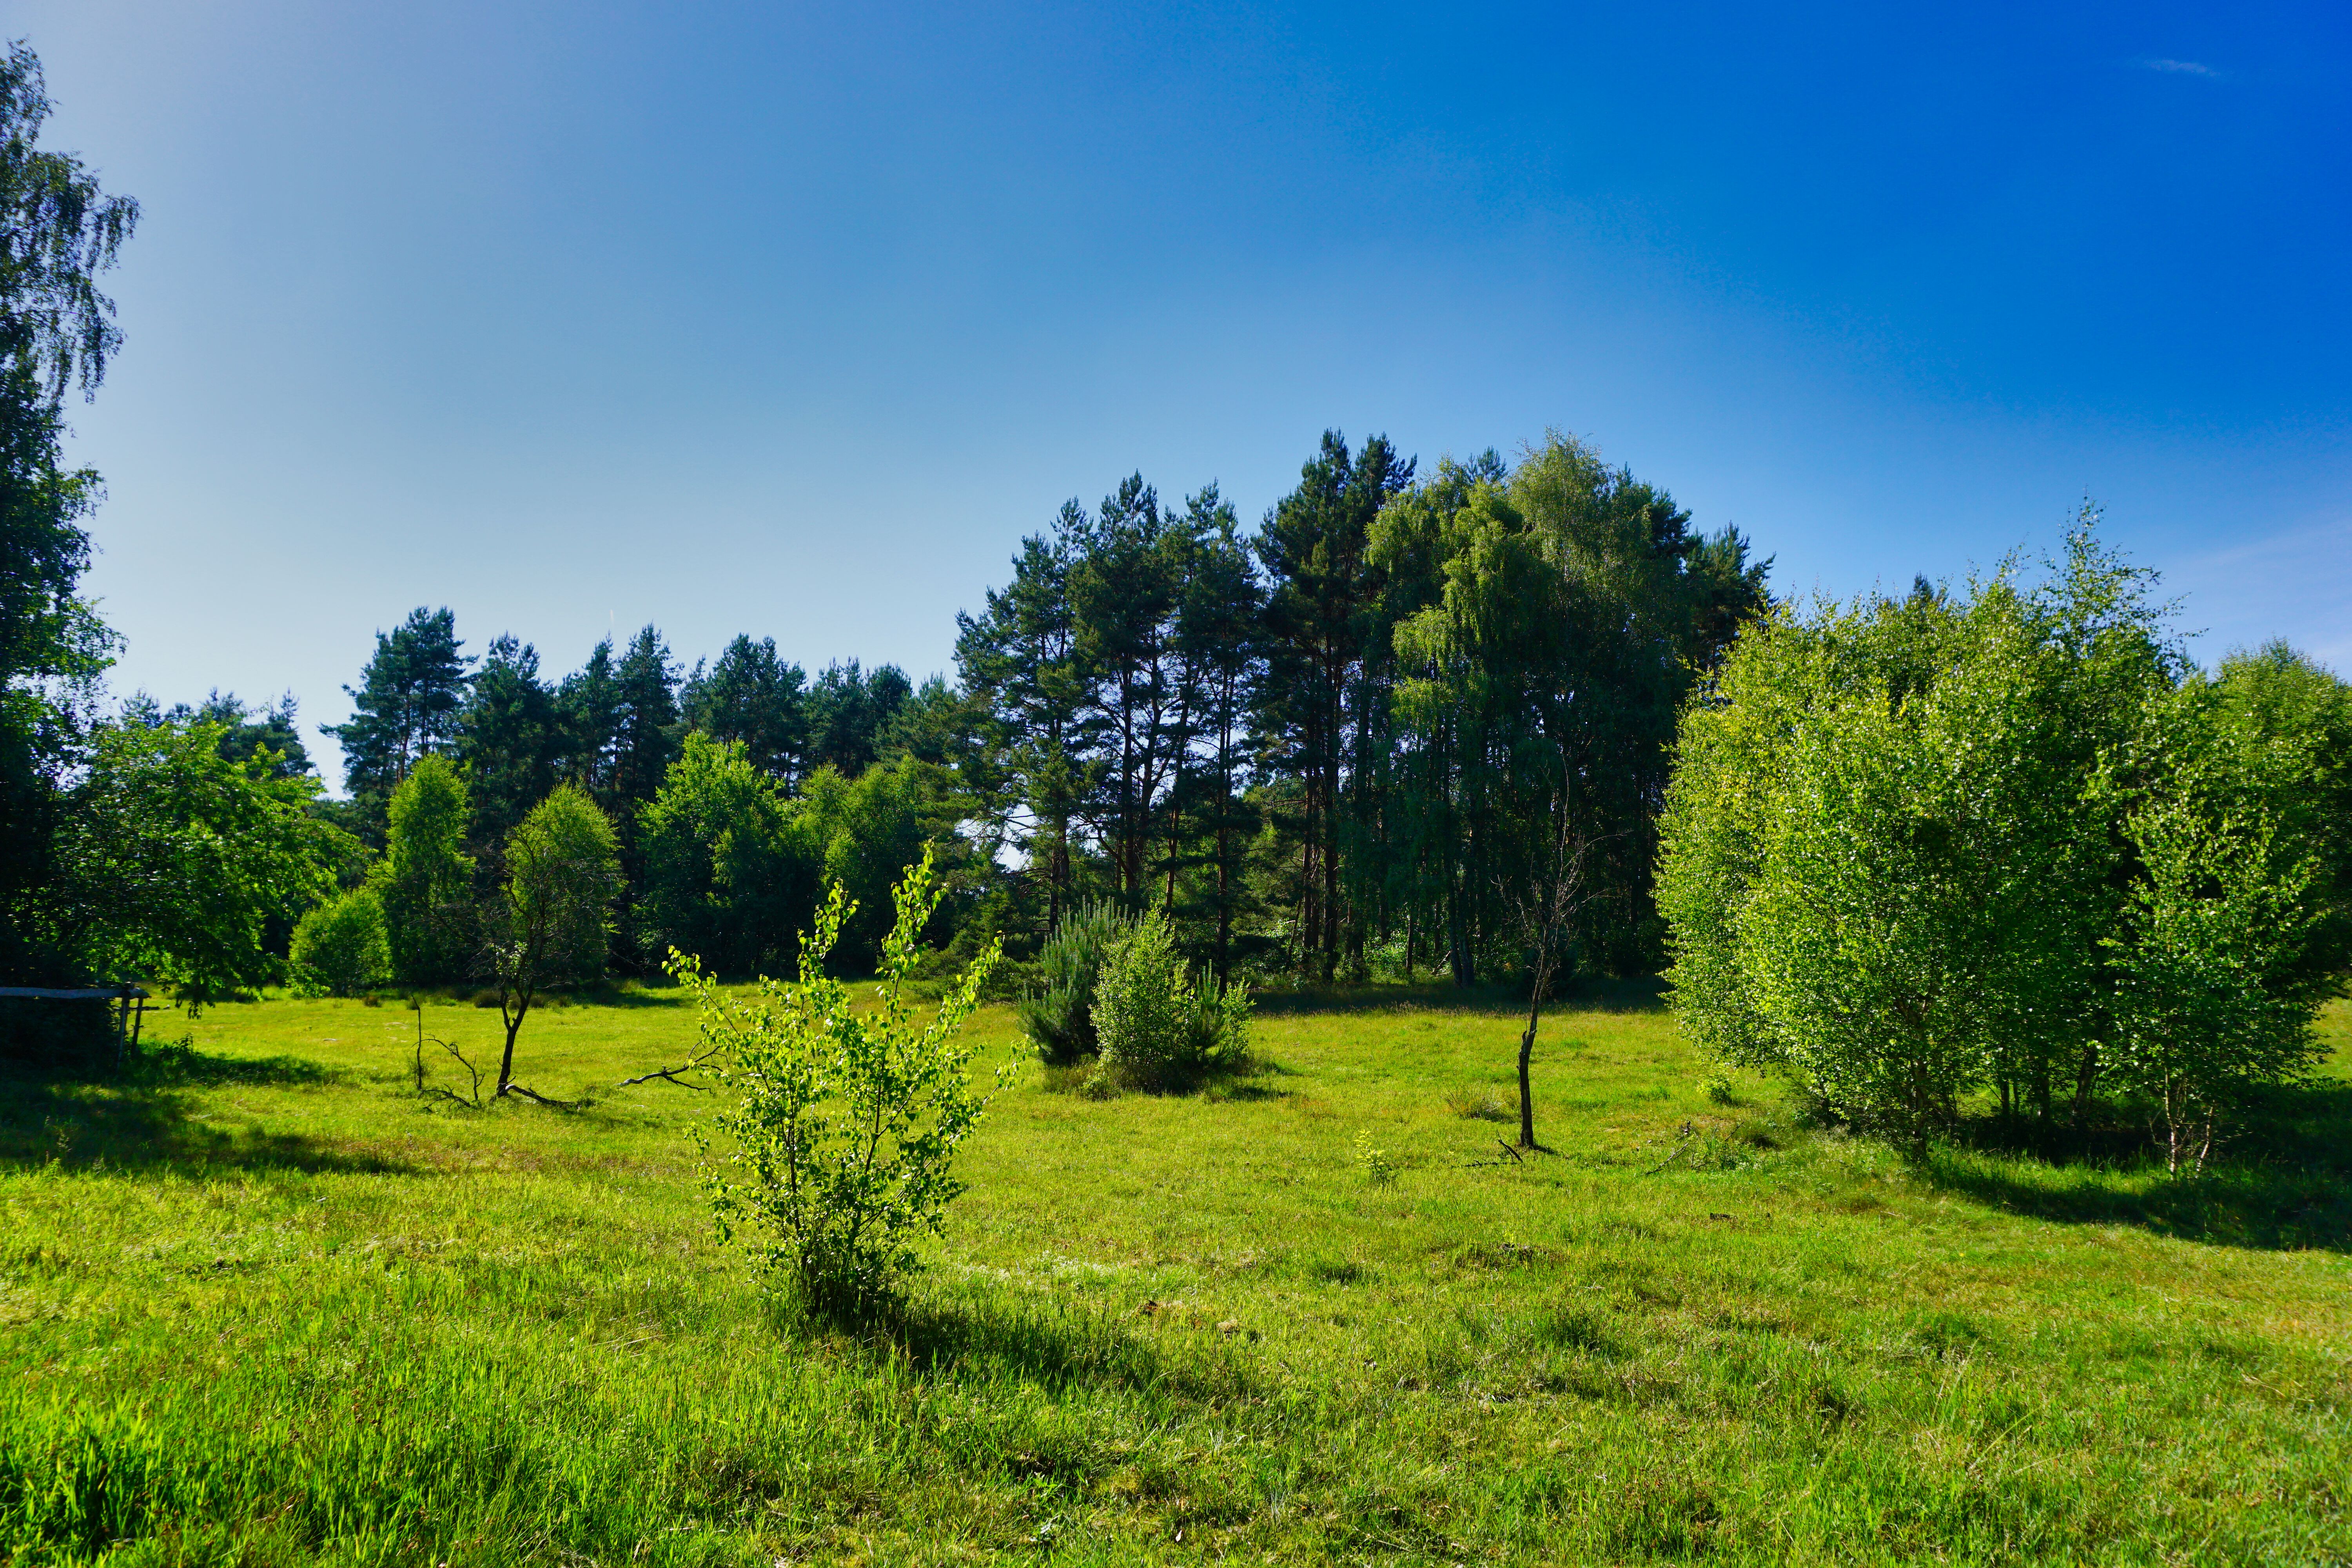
(2007, 841)
(845, 1122)
(1154, 1024)
(1059, 1018)
(342, 943)
(425, 878)
(2214, 993)
(1373, 1161)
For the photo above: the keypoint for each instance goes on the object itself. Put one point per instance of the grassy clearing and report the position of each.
(269, 1308)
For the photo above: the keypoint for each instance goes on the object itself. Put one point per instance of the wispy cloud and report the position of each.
(2181, 68)
(2293, 584)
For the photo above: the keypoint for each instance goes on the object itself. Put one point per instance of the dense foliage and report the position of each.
(2007, 841)
(1324, 750)
(57, 232)
(1157, 1025)
(1058, 1015)
(845, 1123)
(340, 946)
(173, 861)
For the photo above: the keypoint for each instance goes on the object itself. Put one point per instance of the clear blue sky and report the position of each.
(793, 318)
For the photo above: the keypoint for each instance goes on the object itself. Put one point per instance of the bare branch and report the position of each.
(430, 1090)
(670, 1075)
(534, 1095)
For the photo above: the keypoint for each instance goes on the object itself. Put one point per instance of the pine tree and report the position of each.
(647, 731)
(511, 740)
(1319, 617)
(1019, 664)
(751, 697)
(1216, 636)
(848, 711)
(1125, 588)
(405, 707)
(588, 707)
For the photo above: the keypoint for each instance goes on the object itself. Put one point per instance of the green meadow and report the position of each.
(264, 1304)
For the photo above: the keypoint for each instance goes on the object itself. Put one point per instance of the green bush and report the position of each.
(728, 875)
(342, 943)
(1152, 1022)
(2006, 841)
(1059, 1018)
(425, 879)
(845, 1121)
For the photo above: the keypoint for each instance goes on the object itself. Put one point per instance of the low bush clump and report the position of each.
(845, 1124)
(1059, 1016)
(1155, 1023)
(340, 946)
(1478, 1105)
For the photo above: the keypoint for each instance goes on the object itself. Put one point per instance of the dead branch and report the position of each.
(431, 1090)
(1516, 1159)
(534, 1095)
(670, 1075)
(1682, 1142)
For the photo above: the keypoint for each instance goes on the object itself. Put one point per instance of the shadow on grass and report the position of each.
(1438, 998)
(2283, 1182)
(1210, 1081)
(1592, 994)
(1057, 1344)
(139, 1117)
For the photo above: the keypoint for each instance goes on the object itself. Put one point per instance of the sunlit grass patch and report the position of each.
(263, 1303)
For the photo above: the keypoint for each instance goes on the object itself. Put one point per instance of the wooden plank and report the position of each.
(59, 994)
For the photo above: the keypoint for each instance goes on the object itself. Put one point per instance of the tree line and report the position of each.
(1499, 721)
(1319, 748)
(1317, 751)
(1316, 748)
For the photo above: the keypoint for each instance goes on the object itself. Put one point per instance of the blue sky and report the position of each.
(792, 320)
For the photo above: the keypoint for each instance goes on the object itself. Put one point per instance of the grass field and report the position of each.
(270, 1307)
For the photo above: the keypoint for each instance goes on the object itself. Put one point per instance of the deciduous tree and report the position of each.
(552, 922)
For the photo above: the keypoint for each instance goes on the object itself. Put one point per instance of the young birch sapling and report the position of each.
(844, 1126)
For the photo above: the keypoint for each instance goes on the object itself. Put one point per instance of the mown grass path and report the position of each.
(270, 1307)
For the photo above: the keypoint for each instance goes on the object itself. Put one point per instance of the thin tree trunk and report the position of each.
(2086, 1074)
(513, 1022)
(1224, 897)
(1526, 1055)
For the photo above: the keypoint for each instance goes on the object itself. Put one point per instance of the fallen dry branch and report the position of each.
(431, 1090)
(670, 1075)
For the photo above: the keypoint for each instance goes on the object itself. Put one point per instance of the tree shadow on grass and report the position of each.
(1055, 1343)
(1588, 993)
(140, 1117)
(1434, 998)
(2283, 1182)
